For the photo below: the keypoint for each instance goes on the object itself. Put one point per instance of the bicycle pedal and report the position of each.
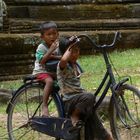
(76, 128)
(71, 134)
(80, 124)
(73, 129)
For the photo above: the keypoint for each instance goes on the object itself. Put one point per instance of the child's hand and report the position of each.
(55, 44)
(72, 38)
(73, 41)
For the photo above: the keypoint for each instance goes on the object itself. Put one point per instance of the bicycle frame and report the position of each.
(111, 83)
(109, 73)
(108, 82)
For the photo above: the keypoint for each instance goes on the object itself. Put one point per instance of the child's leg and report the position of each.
(97, 128)
(75, 116)
(79, 104)
(47, 90)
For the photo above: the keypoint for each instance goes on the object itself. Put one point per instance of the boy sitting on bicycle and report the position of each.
(78, 102)
(47, 51)
(47, 56)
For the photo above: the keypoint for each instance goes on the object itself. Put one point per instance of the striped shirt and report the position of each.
(40, 52)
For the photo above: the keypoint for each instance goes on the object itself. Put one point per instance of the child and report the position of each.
(47, 56)
(78, 103)
(47, 51)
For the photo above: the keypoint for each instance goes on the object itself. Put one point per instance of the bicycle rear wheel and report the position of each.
(27, 103)
(130, 130)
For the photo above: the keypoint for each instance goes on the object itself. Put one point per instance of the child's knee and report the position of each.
(49, 80)
(90, 98)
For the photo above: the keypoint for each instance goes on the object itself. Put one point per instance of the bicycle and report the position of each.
(24, 109)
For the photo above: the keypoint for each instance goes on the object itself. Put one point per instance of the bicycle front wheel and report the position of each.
(126, 124)
(26, 104)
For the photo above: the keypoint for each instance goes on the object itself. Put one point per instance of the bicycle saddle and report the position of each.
(29, 78)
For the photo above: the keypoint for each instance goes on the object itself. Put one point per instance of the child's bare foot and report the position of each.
(109, 137)
(45, 111)
(75, 117)
(74, 120)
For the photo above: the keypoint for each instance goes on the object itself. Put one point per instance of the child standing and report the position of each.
(47, 51)
(78, 102)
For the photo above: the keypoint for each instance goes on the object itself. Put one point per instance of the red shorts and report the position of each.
(42, 76)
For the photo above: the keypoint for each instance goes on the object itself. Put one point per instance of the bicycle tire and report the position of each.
(21, 109)
(131, 129)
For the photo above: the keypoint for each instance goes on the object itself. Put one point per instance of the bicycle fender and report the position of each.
(120, 84)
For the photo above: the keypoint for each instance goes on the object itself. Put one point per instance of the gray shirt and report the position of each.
(68, 81)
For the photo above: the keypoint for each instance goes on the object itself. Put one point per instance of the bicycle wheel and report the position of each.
(130, 128)
(26, 103)
(102, 112)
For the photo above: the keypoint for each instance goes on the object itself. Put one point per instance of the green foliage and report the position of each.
(11, 84)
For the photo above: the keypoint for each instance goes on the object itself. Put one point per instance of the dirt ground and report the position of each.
(4, 136)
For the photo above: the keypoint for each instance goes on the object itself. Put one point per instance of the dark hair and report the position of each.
(47, 25)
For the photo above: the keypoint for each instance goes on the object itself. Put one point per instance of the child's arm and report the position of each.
(49, 55)
(65, 58)
(67, 55)
(55, 57)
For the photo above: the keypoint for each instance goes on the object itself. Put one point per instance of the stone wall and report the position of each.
(66, 1)
(1, 15)
(19, 41)
(17, 55)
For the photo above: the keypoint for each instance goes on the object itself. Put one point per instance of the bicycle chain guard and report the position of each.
(55, 127)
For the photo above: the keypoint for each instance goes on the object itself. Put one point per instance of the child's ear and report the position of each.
(41, 36)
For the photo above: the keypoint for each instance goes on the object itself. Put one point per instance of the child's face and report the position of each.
(50, 35)
(74, 54)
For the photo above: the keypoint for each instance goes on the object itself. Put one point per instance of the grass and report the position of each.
(11, 85)
(126, 63)
(3, 118)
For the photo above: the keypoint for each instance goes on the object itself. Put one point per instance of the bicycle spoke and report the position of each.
(126, 108)
(125, 123)
(20, 108)
(26, 99)
(24, 134)
(17, 129)
(26, 106)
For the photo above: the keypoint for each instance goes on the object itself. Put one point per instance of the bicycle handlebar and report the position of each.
(116, 36)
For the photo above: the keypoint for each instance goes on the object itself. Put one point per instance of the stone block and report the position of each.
(75, 12)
